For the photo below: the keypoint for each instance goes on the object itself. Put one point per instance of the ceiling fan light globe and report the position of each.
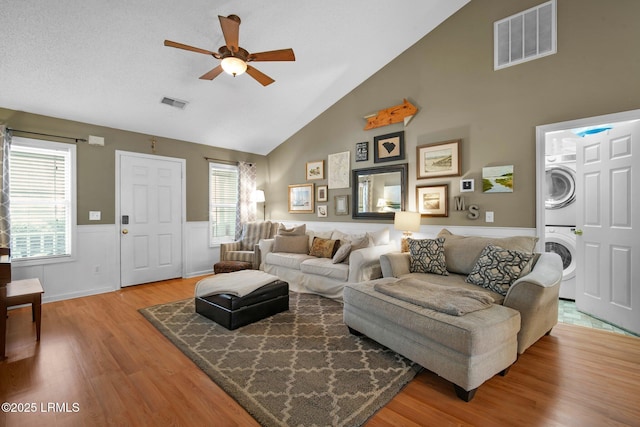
(234, 66)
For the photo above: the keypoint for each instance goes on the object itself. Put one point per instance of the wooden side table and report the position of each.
(28, 291)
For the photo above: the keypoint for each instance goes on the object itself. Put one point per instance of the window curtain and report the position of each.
(246, 211)
(5, 141)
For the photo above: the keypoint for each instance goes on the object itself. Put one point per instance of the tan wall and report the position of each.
(96, 165)
(449, 75)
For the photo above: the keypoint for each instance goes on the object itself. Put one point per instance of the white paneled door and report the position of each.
(150, 218)
(608, 235)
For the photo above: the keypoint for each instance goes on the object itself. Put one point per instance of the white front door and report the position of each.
(608, 250)
(150, 217)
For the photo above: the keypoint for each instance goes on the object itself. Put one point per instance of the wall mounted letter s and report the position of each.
(474, 212)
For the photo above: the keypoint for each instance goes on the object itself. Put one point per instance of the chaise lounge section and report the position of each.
(468, 349)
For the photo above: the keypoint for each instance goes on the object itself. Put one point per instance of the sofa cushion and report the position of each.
(342, 253)
(461, 252)
(288, 260)
(299, 230)
(325, 267)
(427, 256)
(497, 268)
(380, 237)
(291, 244)
(324, 248)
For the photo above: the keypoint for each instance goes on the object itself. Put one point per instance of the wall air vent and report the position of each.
(174, 102)
(525, 36)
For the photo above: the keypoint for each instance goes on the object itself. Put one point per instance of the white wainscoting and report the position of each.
(198, 256)
(94, 271)
(96, 268)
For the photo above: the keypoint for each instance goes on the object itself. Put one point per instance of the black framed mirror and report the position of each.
(379, 192)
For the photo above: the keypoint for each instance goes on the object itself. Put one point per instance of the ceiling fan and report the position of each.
(233, 58)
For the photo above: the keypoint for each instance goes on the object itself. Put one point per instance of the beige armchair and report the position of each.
(246, 249)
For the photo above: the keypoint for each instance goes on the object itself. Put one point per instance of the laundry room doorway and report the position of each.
(607, 213)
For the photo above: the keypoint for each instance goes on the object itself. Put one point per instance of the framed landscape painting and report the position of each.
(301, 198)
(431, 200)
(438, 160)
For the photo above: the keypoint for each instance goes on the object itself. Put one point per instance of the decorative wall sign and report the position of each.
(396, 114)
(362, 151)
(315, 170)
(321, 194)
(431, 200)
(389, 147)
(339, 168)
(301, 198)
(497, 179)
(438, 160)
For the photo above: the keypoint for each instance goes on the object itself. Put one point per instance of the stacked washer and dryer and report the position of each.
(560, 205)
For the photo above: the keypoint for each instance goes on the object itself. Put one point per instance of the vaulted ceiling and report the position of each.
(104, 62)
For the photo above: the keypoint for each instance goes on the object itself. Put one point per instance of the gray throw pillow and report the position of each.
(291, 244)
(298, 230)
(496, 269)
(342, 253)
(427, 256)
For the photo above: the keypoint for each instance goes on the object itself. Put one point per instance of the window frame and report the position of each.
(213, 243)
(73, 224)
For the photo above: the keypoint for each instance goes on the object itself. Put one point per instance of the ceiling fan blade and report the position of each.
(273, 55)
(187, 47)
(212, 74)
(230, 28)
(262, 78)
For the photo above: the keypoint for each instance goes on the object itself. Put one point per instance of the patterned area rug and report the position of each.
(300, 367)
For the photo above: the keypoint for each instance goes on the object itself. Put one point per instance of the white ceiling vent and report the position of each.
(174, 102)
(525, 36)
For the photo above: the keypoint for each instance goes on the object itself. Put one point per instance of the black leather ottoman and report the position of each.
(233, 312)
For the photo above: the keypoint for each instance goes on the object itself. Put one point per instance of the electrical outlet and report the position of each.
(488, 216)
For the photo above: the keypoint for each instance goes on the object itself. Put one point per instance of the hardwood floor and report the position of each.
(102, 363)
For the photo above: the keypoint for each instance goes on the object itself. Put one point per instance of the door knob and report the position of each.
(578, 232)
(125, 231)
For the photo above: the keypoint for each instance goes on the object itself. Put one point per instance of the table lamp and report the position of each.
(407, 222)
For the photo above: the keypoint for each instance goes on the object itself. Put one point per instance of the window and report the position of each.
(223, 201)
(42, 199)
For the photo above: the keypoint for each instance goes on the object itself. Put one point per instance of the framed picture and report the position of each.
(362, 151)
(339, 167)
(432, 200)
(466, 185)
(497, 179)
(315, 170)
(301, 198)
(438, 160)
(321, 194)
(389, 147)
(322, 211)
(342, 205)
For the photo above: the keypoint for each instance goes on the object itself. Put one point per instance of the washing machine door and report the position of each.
(561, 187)
(564, 244)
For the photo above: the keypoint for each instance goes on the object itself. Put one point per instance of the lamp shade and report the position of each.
(233, 65)
(258, 196)
(407, 221)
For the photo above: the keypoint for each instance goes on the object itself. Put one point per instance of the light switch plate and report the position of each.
(488, 216)
(94, 215)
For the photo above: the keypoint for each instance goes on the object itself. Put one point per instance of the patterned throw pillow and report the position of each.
(324, 248)
(427, 256)
(497, 268)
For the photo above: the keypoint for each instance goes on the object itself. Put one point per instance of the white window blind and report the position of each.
(223, 200)
(41, 198)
